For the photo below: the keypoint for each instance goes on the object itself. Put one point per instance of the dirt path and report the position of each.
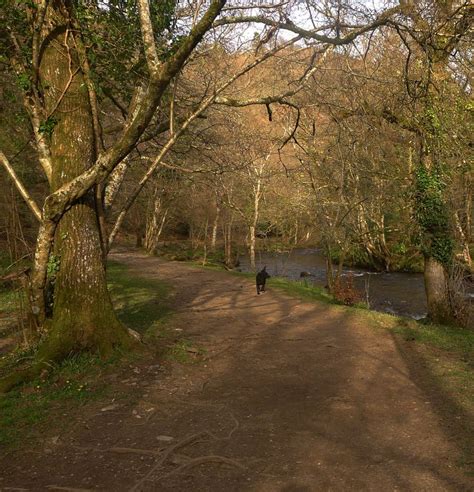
(293, 396)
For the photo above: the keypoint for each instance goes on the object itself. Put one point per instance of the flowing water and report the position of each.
(396, 293)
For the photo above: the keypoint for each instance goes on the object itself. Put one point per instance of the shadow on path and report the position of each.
(290, 396)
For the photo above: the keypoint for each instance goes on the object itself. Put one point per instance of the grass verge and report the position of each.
(25, 412)
(302, 289)
(440, 359)
(28, 411)
(445, 358)
(143, 304)
(140, 303)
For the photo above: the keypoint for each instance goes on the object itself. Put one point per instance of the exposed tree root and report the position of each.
(44, 360)
(193, 461)
(9, 382)
(204, 459)
(165, 456)
(149, 452)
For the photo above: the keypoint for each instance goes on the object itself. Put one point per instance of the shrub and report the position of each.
(345, 291)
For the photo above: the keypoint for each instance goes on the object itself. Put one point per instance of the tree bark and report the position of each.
(215, 224)
(228, 244)
(115, 182)
(83, 316)
(252, 246)
(466, 254)
(155, 223)
(436, 287)
(257, 188)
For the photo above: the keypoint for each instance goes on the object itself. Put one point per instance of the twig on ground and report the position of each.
(68, 489)
(150, 452)
(204, 459)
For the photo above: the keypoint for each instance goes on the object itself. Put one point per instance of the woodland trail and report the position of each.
(290, 396)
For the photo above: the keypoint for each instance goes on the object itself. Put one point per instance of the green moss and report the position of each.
(432, 215)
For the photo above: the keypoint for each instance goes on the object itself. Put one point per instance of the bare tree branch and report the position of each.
(173, 137)
(277, 98)
(33, 108)
(151, 54)
(20, 187)
(288, 25)
(61, 199)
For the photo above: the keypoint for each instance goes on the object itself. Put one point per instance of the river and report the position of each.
(397, 293)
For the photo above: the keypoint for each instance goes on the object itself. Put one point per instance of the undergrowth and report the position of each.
(9, 300)
(141, 304)
(25, 410)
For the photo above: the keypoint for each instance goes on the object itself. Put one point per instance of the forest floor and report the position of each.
(273, 394)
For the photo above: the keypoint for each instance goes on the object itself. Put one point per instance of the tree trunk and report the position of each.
(192, 237)
(256, 211)
(214, 228)
(466, 254)
(155, 225)
(431, 204)
(228, 244)
(83, 316)
(329, 269)
(436, 287)
(152, 225)
(252, 246)
(138, 238)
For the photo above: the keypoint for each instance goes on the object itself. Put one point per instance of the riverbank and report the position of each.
(271, 392)
(398, 293)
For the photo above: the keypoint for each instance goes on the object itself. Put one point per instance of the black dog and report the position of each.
(261, 279)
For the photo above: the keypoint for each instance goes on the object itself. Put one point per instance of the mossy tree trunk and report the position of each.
(83, 316)
(436, 39)
(436, 287)
(431, 207)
